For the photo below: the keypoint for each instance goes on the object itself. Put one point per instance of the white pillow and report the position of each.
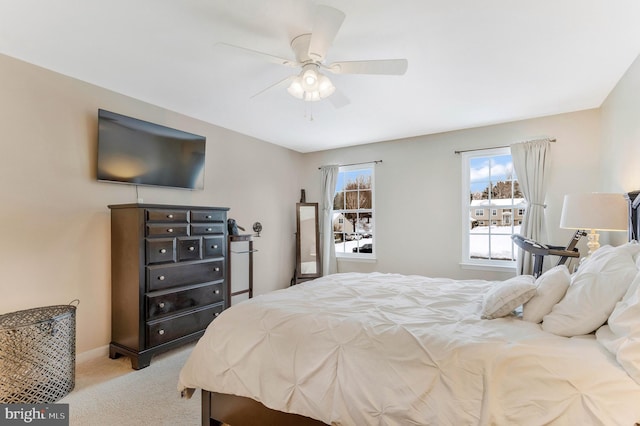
(550, 288)
(595, 289)
(621, 335)
(507, 295)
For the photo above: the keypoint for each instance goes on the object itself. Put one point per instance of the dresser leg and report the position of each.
(113, 354)
(140, 361)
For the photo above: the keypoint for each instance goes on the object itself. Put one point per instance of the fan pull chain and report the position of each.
(308, 110)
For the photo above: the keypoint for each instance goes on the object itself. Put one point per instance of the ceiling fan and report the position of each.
(310, 51)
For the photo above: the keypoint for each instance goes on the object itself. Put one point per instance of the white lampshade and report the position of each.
(595, 211)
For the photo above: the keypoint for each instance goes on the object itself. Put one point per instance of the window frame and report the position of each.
(358, 255)
(466, 261)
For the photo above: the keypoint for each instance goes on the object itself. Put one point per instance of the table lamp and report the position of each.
(596, 211)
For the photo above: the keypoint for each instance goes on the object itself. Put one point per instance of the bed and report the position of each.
(390, 349)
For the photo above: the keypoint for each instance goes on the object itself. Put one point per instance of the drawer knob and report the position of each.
(161, 277)
(217, 292)
(215, 246)
(163, 251)
(209, 229)
(161, 305)
(170, 230)
(216, 269)
(161, 332)
(169, 216)
(208, 216)
(192, 248)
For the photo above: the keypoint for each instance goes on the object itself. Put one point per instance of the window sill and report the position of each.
(357, 259)
(486, 267)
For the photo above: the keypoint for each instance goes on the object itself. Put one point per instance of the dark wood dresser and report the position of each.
(168, 276)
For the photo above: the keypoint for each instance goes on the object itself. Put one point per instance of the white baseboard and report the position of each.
(102, 351)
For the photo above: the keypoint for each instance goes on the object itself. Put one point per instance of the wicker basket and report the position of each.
(37, 354)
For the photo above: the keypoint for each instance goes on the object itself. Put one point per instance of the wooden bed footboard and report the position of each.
(220, 408)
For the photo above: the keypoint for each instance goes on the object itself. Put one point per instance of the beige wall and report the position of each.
(418, 200)
(55, 220)
(621, 136)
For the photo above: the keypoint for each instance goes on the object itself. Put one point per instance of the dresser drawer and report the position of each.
(208, 216)
(178, 274)
(160, 250)
(165, 330)
(167, 229)
(206, 229)
(167, 216)
(213, 246)
(164, 302)
(189, 249)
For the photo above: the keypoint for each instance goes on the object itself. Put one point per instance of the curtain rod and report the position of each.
(357, 164)
(494, 147)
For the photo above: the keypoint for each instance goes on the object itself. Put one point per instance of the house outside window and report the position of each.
(354, 213)
(490, 184)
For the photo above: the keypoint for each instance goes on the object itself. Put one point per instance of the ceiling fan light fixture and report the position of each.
(312, 96)
(310, 78)
(295, 88)
(320, 88)
(325, 87)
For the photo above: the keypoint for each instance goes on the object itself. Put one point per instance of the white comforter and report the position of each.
(387, 349)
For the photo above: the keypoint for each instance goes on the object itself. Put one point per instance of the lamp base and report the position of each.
(593, 242)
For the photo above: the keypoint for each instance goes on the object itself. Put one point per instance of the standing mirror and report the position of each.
(308, 265)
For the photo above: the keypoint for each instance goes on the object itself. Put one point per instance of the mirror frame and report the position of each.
(299, 275)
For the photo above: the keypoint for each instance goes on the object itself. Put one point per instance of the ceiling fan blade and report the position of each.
(279, 85)
(382, 66)
(326, 25)
(265, 56)
(338, 99)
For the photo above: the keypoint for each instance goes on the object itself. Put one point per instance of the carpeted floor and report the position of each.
(109, 392)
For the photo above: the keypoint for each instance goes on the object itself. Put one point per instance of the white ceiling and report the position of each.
(471, 63)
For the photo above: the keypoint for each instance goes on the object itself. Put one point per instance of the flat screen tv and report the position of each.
(141, 153)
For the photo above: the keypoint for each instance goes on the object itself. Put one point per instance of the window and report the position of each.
(490, 183)
(353, 212)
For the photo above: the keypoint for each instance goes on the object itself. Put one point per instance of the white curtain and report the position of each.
(531, 162)
(329, 177)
